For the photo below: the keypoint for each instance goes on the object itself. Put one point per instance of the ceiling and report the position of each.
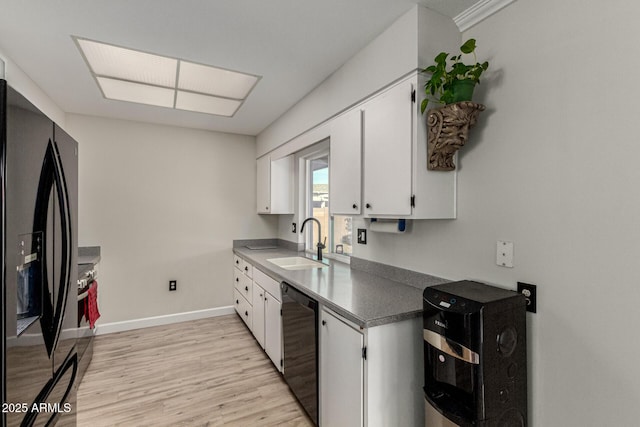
(293, 44)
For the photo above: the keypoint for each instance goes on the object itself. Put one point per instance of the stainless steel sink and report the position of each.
(296, 263)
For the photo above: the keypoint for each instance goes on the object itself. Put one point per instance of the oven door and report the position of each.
(85, 333)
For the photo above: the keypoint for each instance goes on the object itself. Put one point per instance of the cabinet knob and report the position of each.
(246, 269)
(324, 322)
(237, 262)
(237, 279)
(246, 288)
(266, 208)
(237, 302)
(246, 313)
(368, 206)
(355, 206)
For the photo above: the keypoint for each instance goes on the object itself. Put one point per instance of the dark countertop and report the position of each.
(362, 297)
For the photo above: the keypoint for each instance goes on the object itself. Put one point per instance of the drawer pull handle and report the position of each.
(324, 322)
(246, 288)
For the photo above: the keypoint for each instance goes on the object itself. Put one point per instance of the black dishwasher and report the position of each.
(300, 336)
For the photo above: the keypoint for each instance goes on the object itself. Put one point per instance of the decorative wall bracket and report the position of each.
(447, 131)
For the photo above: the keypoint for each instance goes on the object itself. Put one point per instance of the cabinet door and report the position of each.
(273, 329)
(263, 184)
(282, 184)
(345, 182)
(258, 314)
(387, 152)
(341, 373)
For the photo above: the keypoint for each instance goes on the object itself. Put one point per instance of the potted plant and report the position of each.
(448, 126)
(457, 83)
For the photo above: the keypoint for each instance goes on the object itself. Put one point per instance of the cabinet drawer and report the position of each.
(238, 279)
(245, 287)
(238, 262)
(244, 309)
(243, 265)
(268, 284)
(242, 283)
(247, 269)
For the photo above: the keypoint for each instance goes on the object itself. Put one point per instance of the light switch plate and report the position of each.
(504, 253)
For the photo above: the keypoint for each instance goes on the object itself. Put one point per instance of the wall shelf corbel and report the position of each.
(447, 131)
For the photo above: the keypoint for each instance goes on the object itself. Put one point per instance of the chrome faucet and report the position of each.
(320, 245)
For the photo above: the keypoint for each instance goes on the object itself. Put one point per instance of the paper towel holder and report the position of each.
(388, 225)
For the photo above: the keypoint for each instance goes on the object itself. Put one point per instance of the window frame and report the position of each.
(305, 157)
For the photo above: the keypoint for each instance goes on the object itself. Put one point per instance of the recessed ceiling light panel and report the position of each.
(215, 81)
(207, 104)
(126, 64)
(135, 92)
(130, 75)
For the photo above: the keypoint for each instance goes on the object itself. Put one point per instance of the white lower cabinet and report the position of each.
(370, 377)
(258, 314)
(273, 329)
(258, 303)
(341, 373)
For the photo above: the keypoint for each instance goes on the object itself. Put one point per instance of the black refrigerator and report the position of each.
(39, 172)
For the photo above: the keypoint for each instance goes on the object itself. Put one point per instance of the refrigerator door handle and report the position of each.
(52, 175)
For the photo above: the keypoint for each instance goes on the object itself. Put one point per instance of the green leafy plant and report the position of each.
(443, 85)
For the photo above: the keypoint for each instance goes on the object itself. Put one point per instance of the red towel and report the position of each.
(92, 305)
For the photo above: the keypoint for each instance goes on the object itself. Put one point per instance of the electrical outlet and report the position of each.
(362, 236)
(173, 285)
(293, 227)
(530, 293)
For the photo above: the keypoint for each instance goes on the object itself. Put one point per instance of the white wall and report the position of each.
(393, 54)
(18, 80)
(553, 167)
(164, 203)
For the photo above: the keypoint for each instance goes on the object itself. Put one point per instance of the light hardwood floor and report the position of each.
(208, 372)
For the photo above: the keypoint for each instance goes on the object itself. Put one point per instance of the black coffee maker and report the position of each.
(475, 361)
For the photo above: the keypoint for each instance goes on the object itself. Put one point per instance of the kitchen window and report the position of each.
(336, 230)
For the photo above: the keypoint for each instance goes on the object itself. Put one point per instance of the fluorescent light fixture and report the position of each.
(130, 75)
(207, 104)
(127, 64)
(215, 81)
(135, 92)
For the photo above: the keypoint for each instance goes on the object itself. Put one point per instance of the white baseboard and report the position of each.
(127, 325)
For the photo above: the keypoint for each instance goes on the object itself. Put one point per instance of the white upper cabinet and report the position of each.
(345, 164)
(396, 181)
(263, 188)
(275, 184)
(388, 152)
(378, 161)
